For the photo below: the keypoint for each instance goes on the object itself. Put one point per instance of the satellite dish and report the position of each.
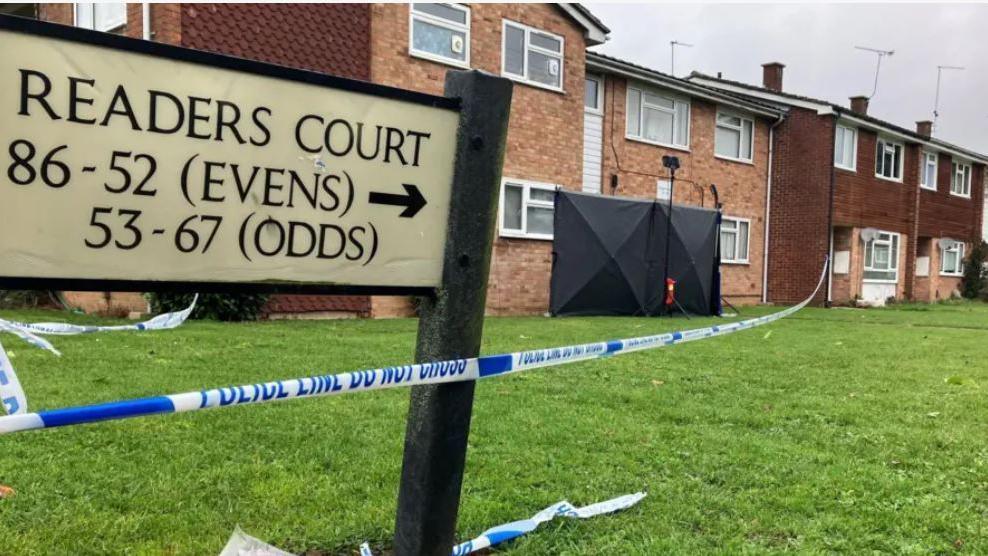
(946, 243)
(869, 234)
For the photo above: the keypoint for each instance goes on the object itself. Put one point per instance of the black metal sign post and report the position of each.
(451, 323)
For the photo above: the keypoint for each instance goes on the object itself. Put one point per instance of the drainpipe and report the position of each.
(768, 205)
(146, 21)
(830, 216)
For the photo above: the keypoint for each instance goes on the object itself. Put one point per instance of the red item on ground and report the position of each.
(6, 491)
(670, 291)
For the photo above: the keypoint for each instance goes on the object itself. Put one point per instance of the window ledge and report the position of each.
(893, 180)
(656, 144)
(735, 160)
(927, 188)
(439, 59)
(522, 235)
(952, 194)
(736, 263)
(536, 84)
(853, 169)
(952, 275)
(877, 281)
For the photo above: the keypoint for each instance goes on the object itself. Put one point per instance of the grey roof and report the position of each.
(610, 63)
(845, 110)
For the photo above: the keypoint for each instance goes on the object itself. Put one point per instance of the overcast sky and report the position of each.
(816, 43)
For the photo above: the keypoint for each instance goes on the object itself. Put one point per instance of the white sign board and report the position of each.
(130, 161)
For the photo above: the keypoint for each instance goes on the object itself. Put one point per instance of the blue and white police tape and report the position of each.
(515, 529)
(12, 396)
(457, 370)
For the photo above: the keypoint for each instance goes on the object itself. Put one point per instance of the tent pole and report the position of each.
(672, 191)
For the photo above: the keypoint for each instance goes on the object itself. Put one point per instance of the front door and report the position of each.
(881, 267)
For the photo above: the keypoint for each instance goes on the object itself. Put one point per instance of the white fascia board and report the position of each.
(594, 34)
(928, 145)
(821, 108)
(643, 77)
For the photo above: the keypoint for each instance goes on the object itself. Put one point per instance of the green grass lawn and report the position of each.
(832, 431)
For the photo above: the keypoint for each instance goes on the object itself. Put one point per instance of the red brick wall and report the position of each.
(799, 233)
(328, 38)
(741, 186)
(944, 215)
(545, 132)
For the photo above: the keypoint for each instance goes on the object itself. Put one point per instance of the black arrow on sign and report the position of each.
(412, 200)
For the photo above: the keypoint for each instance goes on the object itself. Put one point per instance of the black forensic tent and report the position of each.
(609, 256)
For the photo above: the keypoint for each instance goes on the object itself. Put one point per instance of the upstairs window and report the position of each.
(440, 32)
(593, 94)
(846, 148)
(532, 56)
(734, 137)
(881, 262)
(527, 209)
(108, 16)
(888, 160)
(928, 171)
(952, 260)
(960, 180)
(659, 119)
(734, 240)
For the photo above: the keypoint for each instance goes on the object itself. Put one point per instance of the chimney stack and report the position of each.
(859, 104)
(924, 128)
(772, 76)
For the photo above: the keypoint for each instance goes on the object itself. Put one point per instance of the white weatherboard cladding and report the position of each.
(593, 125)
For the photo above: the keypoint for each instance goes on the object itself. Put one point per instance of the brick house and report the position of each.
(636, 115)
(896, 209)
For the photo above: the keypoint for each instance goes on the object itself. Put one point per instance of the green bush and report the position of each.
(21, 299)
(973, 283)
(213, 306)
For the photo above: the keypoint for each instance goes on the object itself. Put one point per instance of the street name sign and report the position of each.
(136, 165)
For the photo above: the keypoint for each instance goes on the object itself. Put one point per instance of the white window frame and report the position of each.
(561, 55)
(113, 25)
(893, 262)
(924, 162)
(526, 201)
(641, 117)
(599, 80)
(740, 130)
(736, 232)
(965, 171)
(958, 248)
(902, 158)
(853, 167)
(439, 22)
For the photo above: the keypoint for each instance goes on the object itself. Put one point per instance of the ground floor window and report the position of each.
(881, 262)
(734, 240)
(952, 259)
(527, 209)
